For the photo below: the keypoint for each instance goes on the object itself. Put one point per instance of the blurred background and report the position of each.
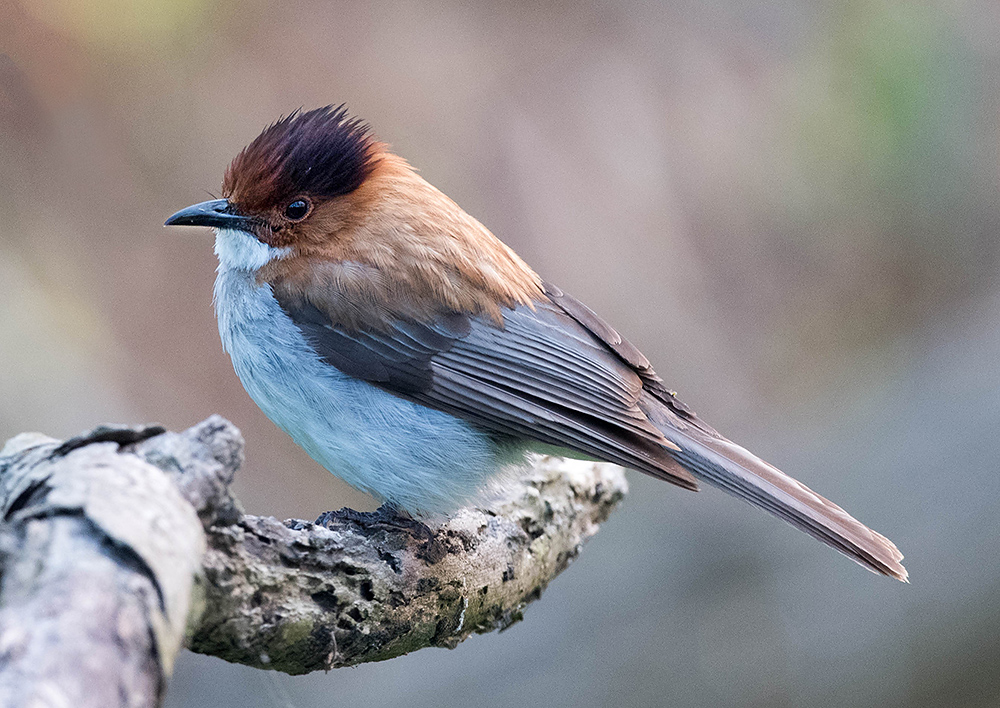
(791, 207)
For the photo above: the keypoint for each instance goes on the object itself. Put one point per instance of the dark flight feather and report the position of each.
(726, 465)
(541, 377)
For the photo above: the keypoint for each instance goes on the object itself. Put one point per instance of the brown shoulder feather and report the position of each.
(400, 246)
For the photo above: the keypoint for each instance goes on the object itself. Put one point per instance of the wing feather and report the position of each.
(541, 375)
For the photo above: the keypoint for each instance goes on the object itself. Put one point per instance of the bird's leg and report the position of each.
(386, 516)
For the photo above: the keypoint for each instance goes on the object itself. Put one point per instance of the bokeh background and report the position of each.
(791, 207)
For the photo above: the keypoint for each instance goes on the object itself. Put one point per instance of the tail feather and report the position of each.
(724, 464)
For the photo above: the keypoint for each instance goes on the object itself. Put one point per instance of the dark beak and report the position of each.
(218, 213)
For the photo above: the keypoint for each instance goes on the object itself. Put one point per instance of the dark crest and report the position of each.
(320, 153)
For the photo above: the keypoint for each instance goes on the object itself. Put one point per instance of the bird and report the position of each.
(416, 356)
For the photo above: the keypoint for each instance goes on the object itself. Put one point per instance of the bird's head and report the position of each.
(293, 186)
(316, 201)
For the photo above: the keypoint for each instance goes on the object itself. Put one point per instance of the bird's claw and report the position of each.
(387, 516)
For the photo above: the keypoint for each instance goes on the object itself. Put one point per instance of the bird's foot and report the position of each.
(388, 516)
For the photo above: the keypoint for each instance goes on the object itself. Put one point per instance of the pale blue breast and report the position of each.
(399, 451)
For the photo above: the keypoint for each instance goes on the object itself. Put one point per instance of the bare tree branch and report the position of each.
(99, 553)
(113, 542)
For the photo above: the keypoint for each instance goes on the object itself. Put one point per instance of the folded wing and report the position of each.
(540, 376)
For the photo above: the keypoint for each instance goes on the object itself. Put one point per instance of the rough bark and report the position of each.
(99, 551)
(114, 542)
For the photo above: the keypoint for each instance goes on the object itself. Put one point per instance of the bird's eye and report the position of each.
(297, 210)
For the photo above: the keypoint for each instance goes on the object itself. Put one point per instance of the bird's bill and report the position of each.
(217, 213)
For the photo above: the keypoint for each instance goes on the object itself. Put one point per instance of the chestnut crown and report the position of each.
(302, 158)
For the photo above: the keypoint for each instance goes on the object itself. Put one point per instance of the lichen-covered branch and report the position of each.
(298, 597)
(295, 596)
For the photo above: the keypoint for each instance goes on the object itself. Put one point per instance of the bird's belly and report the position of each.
(416, 457)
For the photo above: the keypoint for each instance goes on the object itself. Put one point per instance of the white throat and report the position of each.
(240, 250)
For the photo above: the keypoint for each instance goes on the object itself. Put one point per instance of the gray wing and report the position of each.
(542, 375)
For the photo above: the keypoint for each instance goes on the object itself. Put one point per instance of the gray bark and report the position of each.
(122, 545)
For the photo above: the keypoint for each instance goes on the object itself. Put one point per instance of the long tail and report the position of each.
(724, 464)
